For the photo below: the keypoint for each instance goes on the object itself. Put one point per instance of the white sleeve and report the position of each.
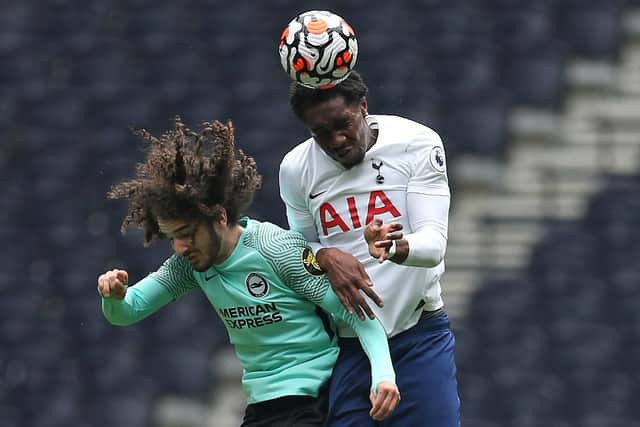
(429, 168)
(429, 218)
(293, 196)
(428, 199)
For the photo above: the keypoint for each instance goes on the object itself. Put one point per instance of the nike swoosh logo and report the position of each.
(313, 196)
(209, 277)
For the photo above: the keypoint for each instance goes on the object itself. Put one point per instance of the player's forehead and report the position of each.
(173, 226)
(330, 112)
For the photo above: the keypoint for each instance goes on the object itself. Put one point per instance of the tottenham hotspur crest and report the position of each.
(377, 166)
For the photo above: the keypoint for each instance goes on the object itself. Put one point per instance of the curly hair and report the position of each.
(190, 176)
(301, 98)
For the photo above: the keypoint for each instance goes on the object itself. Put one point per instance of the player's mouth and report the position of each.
(348, 156)
(343, 151)
(195, 262)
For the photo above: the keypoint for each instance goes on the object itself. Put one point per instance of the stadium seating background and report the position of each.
(75, 76)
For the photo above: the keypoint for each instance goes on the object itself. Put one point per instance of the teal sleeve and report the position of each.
(372, 338)
(141, 300)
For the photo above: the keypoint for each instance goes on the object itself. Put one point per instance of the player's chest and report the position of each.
(239, 287)
(347, 201)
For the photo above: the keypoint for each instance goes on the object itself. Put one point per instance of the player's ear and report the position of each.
(223, 220)
(364, 108)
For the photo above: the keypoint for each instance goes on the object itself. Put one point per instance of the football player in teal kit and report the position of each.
(262, 281)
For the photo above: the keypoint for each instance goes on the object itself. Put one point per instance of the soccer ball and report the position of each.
(318, 49)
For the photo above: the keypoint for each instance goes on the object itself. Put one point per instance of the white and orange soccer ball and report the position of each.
(318, 49)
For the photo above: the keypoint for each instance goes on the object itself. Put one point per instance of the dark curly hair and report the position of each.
(188, 175)
(353, 89)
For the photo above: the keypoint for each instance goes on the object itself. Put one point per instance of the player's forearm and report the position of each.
(427, 244)
(425, 248)
(140, 301)
(373, 339)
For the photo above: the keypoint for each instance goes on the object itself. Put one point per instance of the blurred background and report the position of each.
(538, 105)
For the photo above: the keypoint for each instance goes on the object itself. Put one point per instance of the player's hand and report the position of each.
(347, 277)
(113, 284)
(380, 237)
(385, 401)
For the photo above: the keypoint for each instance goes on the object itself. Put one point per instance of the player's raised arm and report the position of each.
(124, 305)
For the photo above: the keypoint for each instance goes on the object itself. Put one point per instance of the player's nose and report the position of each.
(180, 246)
(338, 140)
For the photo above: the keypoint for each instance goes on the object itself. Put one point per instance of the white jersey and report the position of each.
(331, 205)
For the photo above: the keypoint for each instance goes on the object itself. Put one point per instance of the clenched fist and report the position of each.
(113, 284)
(384, 402)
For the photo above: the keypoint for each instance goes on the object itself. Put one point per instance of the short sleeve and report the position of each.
(298, 215)
(429, 167)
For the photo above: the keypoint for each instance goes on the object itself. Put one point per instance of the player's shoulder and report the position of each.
(297, 156)
(178, 264)
(265, 235)
(405, 130)
(176, 274)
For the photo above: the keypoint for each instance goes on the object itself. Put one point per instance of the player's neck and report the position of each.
(372, 137)
(230, 241)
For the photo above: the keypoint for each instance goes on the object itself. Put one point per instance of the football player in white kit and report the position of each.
(371, 192)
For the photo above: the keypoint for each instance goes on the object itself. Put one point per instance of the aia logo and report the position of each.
(378, 204)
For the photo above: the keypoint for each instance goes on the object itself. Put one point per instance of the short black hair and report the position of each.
(353, 89)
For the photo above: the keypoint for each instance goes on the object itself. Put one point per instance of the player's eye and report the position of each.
(320, 133)
(345, 124)
(185, 234)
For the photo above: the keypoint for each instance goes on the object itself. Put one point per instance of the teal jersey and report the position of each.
(267, 293)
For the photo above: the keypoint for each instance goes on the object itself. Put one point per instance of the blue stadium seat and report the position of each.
(75, 77)
(591, 30)
(566, 357)
(535, 77)
(130, 408)
(186, 371)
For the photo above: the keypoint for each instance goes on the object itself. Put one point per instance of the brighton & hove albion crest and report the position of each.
(257, 285)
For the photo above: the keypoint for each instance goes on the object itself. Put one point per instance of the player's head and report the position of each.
(336, 118)
(192, 187)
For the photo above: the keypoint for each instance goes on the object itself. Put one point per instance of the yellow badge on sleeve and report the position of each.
(310, 263)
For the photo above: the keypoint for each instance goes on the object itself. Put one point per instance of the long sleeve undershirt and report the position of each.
(429, 217)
